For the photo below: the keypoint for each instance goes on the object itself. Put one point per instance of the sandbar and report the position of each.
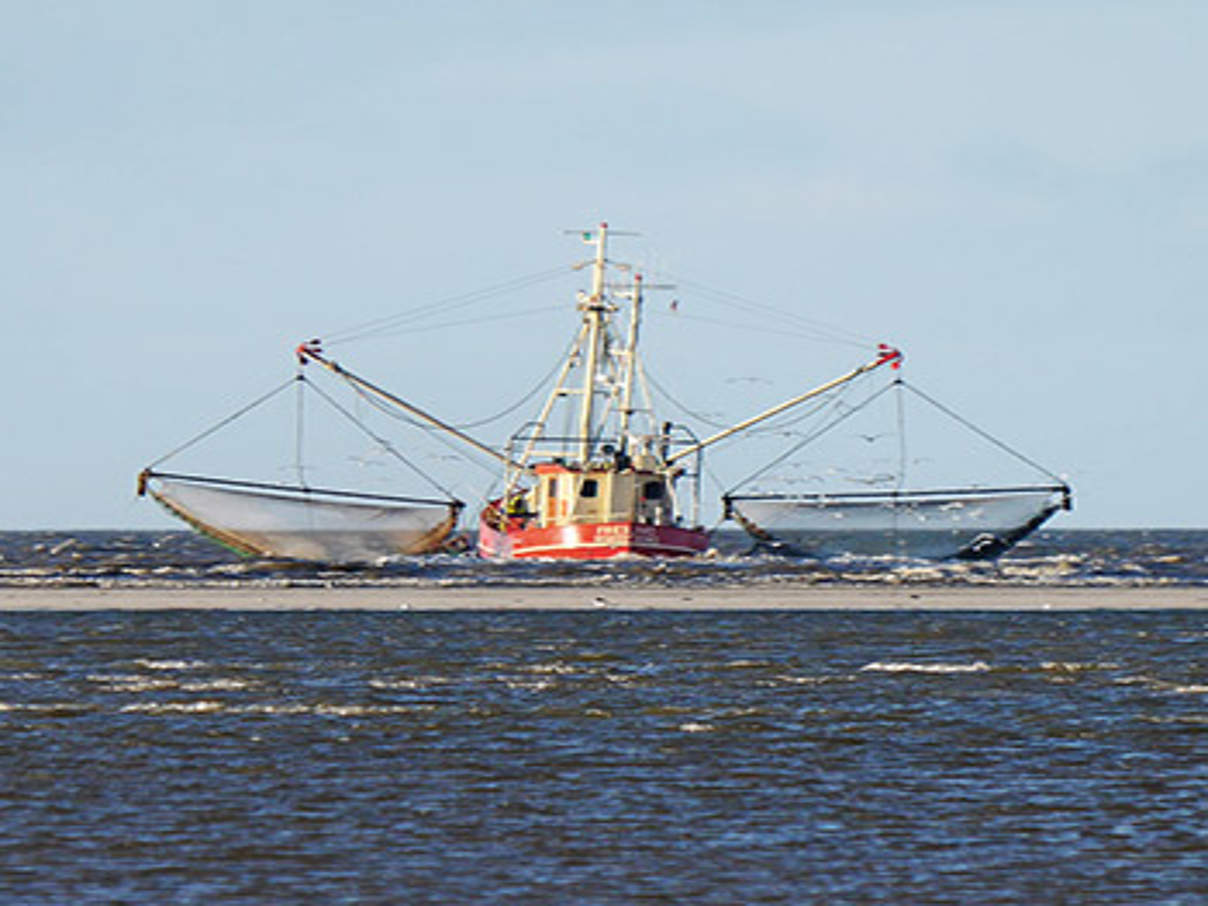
(511, 597)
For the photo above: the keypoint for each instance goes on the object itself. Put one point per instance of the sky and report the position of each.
(1014, 193)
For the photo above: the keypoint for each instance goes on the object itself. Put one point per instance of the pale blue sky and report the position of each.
(1015, 193)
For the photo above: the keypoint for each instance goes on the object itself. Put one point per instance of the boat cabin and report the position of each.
(568, 495)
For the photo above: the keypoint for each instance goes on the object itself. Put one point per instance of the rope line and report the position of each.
(385, 444)
(899, 384)
(820, 329)
(299, 436)
(428, 429)
(774, 427)
(671, 399)
(771, 329)
(506, 316)
(523, 400)
(902, 460)
(810, 438)
(449, 303)
(985, 435)
(226, 421)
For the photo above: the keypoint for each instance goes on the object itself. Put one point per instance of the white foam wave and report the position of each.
(1077, 666)
(141, 685)
(114, 677)
(1161, 685)
(409, 684)
(210, 706)
(198, 707)
(1180, 688)
(911, 667)
(554, 667)
(45, 707)
(805, 680)
(149, 664)
(527, 685)
(216, 685)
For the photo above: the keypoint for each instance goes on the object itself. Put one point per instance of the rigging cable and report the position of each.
(385, 444)
(523, 400)
(298, 428)
(984, 435)
(810, 438)
(226, 421)
(766, 328)
(821, 330)
(901, 404)
(449, 303)
(772, 428)
(503, 316)
(398, 416)
(671, 399)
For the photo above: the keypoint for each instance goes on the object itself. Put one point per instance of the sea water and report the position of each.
(598, 756)
(184, 559)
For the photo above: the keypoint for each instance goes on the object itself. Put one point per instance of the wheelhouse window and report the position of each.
(589, 488)
(652, 490)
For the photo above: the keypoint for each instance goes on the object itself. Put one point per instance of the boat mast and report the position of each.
(594, 309)
(631, 359)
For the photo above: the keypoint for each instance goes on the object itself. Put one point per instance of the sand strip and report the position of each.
(771, 597)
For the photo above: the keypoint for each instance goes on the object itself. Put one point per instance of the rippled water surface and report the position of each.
(1068, 558)
(603, 757)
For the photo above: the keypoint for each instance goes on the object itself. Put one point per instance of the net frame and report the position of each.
(900, 511)
(322, 502)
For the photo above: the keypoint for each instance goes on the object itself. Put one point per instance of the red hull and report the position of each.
(598, 541)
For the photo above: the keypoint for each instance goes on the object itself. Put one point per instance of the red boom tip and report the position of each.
(308, 350)
(889, 354)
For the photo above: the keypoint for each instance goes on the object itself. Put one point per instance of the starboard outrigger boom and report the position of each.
(886, 356)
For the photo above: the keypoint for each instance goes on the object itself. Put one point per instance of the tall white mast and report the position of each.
(594, 311)
(631, 358)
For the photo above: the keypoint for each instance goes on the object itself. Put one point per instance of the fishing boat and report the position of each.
(623, 483)
(616, 481)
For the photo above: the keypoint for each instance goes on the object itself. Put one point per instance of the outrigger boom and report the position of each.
(886, 356)
(311, 351)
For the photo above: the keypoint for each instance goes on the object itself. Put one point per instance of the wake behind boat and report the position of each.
(621, 482)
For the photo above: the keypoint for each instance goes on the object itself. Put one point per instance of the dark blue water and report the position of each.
(603, 757)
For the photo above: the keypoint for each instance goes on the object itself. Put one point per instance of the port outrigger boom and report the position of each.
(312, 351)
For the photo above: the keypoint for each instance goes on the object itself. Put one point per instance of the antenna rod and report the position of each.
(886, 356)
(312, 352)
(593, 314)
